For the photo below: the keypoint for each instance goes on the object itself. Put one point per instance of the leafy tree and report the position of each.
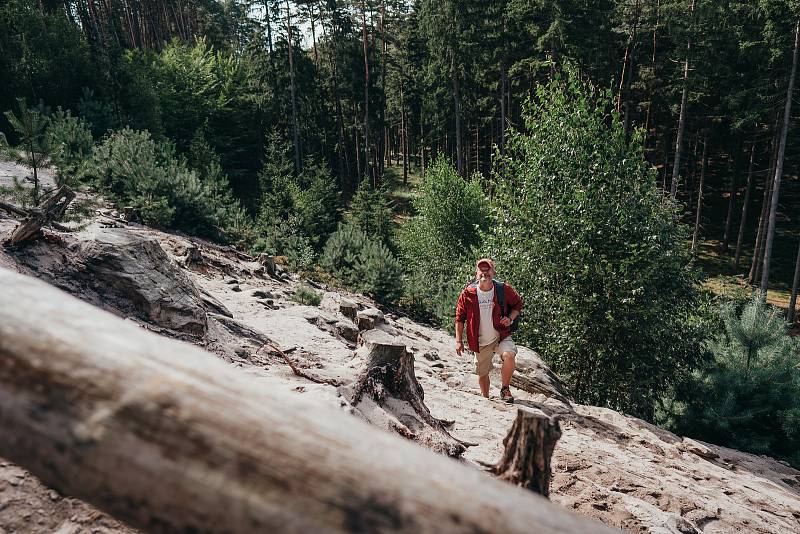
(443, 239)
(585, 236)
(749, 397)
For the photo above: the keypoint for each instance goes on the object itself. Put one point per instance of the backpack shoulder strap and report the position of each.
(500, 291)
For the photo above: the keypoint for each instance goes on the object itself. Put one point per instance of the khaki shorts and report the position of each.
(483, 358)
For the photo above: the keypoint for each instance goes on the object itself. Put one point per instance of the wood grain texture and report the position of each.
(167, 438)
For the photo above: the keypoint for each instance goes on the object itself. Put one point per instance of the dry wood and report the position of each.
(388, 381)
(168, 438)
(51, 210)
(297, 371)
(528, 449)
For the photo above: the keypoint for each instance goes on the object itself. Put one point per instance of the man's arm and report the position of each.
(459, 338)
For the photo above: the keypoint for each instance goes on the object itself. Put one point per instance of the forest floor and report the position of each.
(717, 267)
(607, 465)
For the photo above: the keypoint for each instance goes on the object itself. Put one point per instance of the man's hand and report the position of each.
(459, 347)
(506, 321)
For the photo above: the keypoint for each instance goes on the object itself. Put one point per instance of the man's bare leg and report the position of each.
(483, 381)
(509, 364)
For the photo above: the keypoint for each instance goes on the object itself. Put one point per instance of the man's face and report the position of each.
(484, 273)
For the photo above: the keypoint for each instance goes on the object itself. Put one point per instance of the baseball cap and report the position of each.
(485, 261)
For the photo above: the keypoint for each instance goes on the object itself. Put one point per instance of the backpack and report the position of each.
(500, 291)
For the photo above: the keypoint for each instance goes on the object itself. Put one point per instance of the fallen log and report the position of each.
(168, 438)
(528, 449)
(51, 210)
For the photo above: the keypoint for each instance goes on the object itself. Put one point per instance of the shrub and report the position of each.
(71, 142)
(371, 210)
(749, 397)
(286, 238)
(310, 198)
(306, 295)
(134, 169)
(362, 263)
(581, 230)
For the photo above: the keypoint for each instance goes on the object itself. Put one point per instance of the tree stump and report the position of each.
(193, 257)
(51, 210)
(349, 309)
(387, 394)
(528, 449)
(268, 262)
(130, 214)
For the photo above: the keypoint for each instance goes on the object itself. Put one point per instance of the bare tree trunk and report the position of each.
(726, 237)
(295, 128)
(743, 222)
(457, 110)
(366, 95)
(503, 85)
(648, 119)
(795, 282)
(676, 166)
(698, 217)
(117, 408)
(779, 167)
(344, 163)
(758, 248)
(403, 137)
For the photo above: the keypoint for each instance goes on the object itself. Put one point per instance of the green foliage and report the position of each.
(583, 233)
(311, 198)
(371, 210)
(70, 142)
(134, 169)
(362, 263)
(30, 125)
(306, 296)
(749, 398)
(287, 238)
(439, 246)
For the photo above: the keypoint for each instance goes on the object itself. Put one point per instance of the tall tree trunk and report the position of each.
(503, 111)
(313, 33)
(295, 128)
(795, 283)
(787, 113)
(676, 167)
(625, 82)
(366, 93)
(384, 129)
(404, 136)
(758, 249)
(698, 217)
(726, 237)
(649, 118)
(742, 223)
(457, 109)
(344, 163)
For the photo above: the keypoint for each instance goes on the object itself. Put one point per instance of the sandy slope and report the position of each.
(609, 466)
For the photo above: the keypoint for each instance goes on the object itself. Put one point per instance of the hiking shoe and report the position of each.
(505, 395)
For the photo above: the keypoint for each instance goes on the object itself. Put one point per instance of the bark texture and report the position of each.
(169, 438)
(528, 449)
(387, 394)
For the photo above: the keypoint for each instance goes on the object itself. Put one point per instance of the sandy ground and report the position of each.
(609, 466)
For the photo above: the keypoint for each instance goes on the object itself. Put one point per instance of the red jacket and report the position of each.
(467, 310)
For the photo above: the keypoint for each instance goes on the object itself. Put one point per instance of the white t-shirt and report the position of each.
(487, 334)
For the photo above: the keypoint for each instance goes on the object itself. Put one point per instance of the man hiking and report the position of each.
(488, 326)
